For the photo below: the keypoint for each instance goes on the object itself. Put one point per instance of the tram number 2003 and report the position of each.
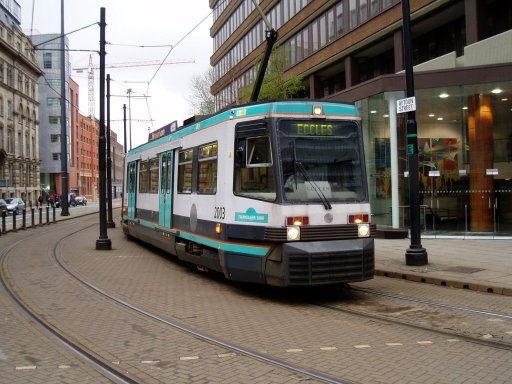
(220, 213)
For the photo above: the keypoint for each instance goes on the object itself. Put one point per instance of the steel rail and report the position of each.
(88, 358)
(198, 335)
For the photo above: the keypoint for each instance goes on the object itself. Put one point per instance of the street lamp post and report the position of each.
(415, 254)
(103, 242)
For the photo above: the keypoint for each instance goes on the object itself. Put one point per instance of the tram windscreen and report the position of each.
(322, 161)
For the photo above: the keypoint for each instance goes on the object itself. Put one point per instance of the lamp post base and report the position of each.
(103, 245)
(416, 256)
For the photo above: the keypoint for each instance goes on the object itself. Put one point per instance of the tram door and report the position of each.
(132, 189)
(165, 210)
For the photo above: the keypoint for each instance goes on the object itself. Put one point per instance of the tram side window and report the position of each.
(143, 176)
(254, 177)
(185, 171)
(153, 175)
(207, 159)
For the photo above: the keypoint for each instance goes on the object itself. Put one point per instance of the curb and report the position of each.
(479, 287)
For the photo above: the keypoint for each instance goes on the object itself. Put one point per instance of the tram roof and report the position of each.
(286, 108)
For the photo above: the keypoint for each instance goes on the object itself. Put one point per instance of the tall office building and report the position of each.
(49, 58)
(352, 51)
(19, 105)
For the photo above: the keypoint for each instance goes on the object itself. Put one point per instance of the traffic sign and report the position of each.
(406, 105)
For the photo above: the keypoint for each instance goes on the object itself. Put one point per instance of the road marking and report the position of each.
(452, 340)
(361, 346)
(64, 366)
(149, 361)
(328, 348)
(226, 354)
(424, 342)
(294, 350)
(393, 344)
(183, 358)
(23, 367)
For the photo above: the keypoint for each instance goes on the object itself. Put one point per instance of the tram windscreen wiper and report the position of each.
(307, 178)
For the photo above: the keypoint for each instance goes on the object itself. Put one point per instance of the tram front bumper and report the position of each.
(322, 263)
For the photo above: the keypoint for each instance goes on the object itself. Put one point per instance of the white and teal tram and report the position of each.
(273, 193)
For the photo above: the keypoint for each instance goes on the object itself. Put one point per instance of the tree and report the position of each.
(202, 100)
(275, 86)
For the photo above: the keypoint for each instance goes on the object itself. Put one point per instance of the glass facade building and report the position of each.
(352, 51)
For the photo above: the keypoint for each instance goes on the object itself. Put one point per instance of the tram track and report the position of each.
(120, 301)
(86, 357)
(106, 368)
(378, 314)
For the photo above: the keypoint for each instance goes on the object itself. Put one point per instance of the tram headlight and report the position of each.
(293, 233)
(363, 230)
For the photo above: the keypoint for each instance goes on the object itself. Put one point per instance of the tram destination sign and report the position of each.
(406, 105)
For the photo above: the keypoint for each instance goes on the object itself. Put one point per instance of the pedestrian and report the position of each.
(40, 200)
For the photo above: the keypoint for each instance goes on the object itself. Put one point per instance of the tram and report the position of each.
(273, 193)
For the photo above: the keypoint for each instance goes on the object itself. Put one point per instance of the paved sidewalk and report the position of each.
(481, 265)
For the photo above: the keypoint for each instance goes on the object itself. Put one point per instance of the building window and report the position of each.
(353, 13)
(10, 141)
(53, 101)
(47, 60)
(53, 119)
(56, 156)
(339, 19)
(54, 138)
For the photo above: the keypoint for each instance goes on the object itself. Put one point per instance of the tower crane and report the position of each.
(91, 68)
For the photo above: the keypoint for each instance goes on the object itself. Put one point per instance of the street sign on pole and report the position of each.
(406, 105)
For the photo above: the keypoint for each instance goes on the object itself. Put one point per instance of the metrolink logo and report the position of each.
(251, 216)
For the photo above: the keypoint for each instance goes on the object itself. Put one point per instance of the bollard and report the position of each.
(40, 215)
(4, 229)
(33, 217)
(47, 215)
(54, 214)
(24, 219)
(14, 221)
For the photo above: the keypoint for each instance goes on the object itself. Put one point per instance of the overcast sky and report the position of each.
(131, 24)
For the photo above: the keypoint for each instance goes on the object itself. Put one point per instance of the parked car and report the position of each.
(15, 204)
(71, 200)
(3, 207)
(80, 200)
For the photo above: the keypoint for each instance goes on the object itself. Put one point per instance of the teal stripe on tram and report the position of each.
(212, 243)
(226, 247)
